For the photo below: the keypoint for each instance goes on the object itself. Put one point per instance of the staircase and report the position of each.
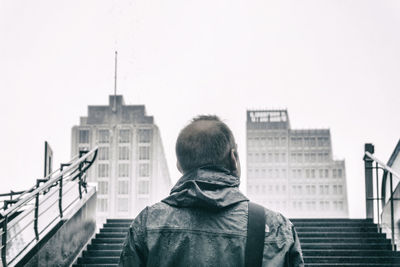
(344, 242)
(325, 243)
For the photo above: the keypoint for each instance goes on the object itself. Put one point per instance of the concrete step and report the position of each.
(352, 259)
(331, 246)
(341, 234)
(343, 240)
(114, 230)
(108, 240)
(348, 252)
(111, 235)
(104, 246)
(337, 229)
(100, 260)
(102, 253)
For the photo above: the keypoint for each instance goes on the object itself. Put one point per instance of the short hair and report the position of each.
(205, 141)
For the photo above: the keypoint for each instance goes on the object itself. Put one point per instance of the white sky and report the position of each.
(332, 64)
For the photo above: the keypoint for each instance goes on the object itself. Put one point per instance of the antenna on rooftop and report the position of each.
(114, 109)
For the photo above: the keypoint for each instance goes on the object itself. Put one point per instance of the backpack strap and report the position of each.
(255, 236)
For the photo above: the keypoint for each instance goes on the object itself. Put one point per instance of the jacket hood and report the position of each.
(211, 187)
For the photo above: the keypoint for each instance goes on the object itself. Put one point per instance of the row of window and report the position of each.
(309, 157)
(270, 189)
(267, 141)
(122, 204)
(123, 187)
(312, 189)
(309, 141)
(123, 153)
(295, 173)
(267, 157)
(323, 205)
(103, 136)
(294, 141)
(294, 157)
(123, 170)
(308, 205)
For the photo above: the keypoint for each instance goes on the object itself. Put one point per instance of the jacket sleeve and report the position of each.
(295, 255)
(134, 251)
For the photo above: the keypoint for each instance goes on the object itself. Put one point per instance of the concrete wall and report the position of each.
(62, 247)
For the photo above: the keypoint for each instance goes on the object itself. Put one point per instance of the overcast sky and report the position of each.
(332, 64)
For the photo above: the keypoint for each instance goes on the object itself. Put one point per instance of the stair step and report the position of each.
(351, 259)
(119, 221)
(293, 220)
(344, 240)
(337, 229)
(111, 235)
(117, 225)
(371, 246)
(95, 265)
(114, 230)
(102, 253)
(108, 240)
(340, 234)
(347, 252)
(97, 260)
(104, 247)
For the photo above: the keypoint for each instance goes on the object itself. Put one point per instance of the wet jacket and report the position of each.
(204, 223)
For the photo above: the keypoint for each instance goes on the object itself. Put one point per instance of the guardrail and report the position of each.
(26, 219)
(383, 198)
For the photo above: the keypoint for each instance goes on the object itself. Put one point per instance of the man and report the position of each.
(204, 220)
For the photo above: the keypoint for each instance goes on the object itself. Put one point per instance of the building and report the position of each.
(292, 171)
(131, 170)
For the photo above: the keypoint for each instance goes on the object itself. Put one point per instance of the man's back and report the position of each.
(204, 223)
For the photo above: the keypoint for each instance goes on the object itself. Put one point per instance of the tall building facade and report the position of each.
(131, 170)
(292, 171)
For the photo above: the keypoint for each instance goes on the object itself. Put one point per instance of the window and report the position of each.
(263, 157)
(321, 173)
(103, 187)
(124, 135)
(103, 170)
(123, 187)
(299, 175)
(340, 173)
(327, 189)
(312, 173)
(143, 187)
(284, 175)
(145, 135)
(123, 170)
(276, 157)
(312, 141)
(123, 153)
(122, 204)
(283, 157)
(326, 173)
(313, 157)
(104, 153)
(340, 189)
(283, 141)
(83, 136)
(144, 152)
(335, 189)
(299, 157)
(144, 170)
(103, 136)
(102, 205)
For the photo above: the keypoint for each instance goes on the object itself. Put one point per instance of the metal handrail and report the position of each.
(384, 166)
(69, 172)
(387, 170)
(47, 184)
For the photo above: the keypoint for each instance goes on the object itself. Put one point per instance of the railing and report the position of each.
(380, 206)
(28, 218)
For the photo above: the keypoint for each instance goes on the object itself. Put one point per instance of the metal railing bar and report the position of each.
(22, 229)
(47, 184)
(387, 168)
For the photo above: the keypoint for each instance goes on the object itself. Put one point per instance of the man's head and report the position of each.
(207, 141)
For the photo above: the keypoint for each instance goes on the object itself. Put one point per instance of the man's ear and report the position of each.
(179, 167)
(234, 160)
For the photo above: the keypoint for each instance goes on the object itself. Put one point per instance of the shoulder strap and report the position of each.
(255, 236)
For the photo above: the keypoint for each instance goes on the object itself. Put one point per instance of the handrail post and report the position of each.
(35, 222)
(4, 242)
(60, 193)
(377, 196)
(392, 212)
(369, 203)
